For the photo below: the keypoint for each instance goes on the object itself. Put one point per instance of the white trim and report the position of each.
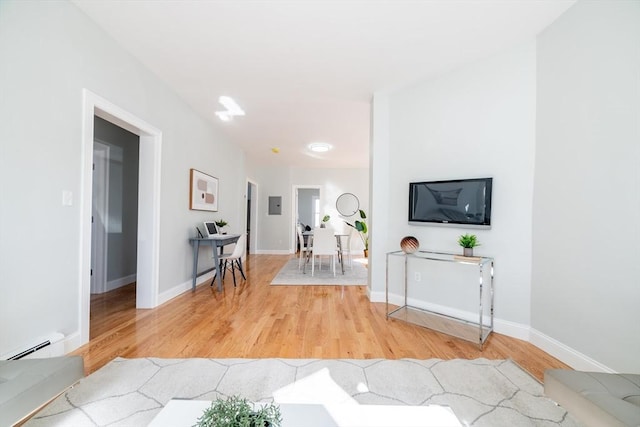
(183, 287)
(571, 357)
(523, 332)
(120, 282)
(272, 252)
(148, 203)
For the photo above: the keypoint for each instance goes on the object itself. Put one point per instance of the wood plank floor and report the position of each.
(256, 320)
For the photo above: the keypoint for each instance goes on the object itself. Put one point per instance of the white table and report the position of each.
(184, 413)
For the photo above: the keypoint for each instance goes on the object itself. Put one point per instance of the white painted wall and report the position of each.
(586, 252)
(276, 231)
(49, 52)
(478, 121)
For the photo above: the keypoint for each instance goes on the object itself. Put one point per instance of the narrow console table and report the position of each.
(469, 330)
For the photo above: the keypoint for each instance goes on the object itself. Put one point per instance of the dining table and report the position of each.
(339, 236)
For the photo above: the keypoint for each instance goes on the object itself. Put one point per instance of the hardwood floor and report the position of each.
(256, 320)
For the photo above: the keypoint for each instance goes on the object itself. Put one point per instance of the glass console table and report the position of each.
(450, 324)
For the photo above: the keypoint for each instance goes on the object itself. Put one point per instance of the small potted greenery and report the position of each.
(325, 219)
(361, 228)
(468, 242)
(220, 224)
(238, 412)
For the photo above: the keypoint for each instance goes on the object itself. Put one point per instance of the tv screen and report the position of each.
(465, 202)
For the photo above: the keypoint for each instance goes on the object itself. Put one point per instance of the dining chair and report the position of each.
(305, 250)
(324, 244)
(230, 261)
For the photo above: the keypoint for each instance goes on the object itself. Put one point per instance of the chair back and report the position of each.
(241, 247)
(324, 241)
(301, 240)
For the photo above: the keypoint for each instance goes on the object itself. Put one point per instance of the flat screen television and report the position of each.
(459, 202)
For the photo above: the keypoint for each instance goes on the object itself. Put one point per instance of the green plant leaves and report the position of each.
(468, 241)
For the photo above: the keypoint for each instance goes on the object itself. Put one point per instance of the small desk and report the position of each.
(216, 241)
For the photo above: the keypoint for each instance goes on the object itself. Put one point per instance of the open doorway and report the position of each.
(251, 214)
(148, 224)
(114, 218)
(307, 200)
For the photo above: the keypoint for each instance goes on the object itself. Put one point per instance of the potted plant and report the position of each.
(238, 412)
(220, 224)
(325, 219)
(468, 242)
(361, 228)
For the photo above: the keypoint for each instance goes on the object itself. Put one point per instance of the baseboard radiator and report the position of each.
(50, 346)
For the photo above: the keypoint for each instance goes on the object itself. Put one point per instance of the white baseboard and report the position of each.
(120, 282)
(183, 287)
(520, 331)
(272, 252)
(566, 354)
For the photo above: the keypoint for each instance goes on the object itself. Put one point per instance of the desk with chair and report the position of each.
(217, 242)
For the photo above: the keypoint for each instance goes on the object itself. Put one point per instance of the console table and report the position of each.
(215, 241)
(471, 331)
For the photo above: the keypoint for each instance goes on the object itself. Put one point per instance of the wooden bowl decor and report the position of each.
(409, 244)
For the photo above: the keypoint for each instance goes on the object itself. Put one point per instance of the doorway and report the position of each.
(148, 227)
(115, 207)
(307, 200)
(251, 214)
(99, 209)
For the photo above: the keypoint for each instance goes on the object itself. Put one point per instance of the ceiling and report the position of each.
(305, 70)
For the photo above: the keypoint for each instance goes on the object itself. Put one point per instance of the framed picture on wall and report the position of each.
(203, 190)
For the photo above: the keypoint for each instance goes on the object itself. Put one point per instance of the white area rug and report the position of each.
(481, 392)
(290, 275)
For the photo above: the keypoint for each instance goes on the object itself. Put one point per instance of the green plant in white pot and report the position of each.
(221, 223)
(468, 242)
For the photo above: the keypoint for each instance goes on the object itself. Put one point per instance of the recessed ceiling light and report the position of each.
(319, 147)
(232, 109)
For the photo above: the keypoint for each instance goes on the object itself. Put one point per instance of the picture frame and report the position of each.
(203, 191)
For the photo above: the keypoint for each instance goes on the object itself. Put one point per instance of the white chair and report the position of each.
(324, 244)
(236, 259)
(305, 250)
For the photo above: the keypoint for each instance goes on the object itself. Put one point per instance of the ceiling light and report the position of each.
(232, 109)
(319, 147)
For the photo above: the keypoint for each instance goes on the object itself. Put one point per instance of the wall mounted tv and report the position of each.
(460, 202)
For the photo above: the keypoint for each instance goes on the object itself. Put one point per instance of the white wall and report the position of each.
(276, 231)
(49, 52)
(478, 121)
(586, 251)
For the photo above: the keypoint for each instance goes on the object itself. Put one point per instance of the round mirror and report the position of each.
(347, 204)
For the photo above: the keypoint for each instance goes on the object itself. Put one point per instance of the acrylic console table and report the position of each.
(467, 329)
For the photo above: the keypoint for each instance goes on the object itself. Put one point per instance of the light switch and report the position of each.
(67, 198)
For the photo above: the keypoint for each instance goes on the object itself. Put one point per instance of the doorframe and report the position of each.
(100, 239)
(294, 211)
(253, 244)
(148, 258)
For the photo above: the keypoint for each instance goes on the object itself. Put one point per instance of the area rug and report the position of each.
(356, 274)
(481, 392)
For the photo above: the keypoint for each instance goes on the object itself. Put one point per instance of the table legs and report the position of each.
(196, 247)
